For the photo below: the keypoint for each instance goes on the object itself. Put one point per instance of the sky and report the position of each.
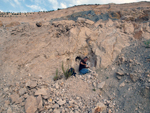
(47, 5)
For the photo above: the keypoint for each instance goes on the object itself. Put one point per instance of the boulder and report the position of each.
(31, 104)
(12, 24)
(39, 24)
(1, 23)
(101, 85)
(42, 91)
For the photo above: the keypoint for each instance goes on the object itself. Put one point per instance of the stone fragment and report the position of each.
(39, 102)
(6, 89)
(134, 77)
(42, 91)
(120, 73)
(122, 84)
(89, 21)
(39, 24)
(56, 110)
(99, 108)
(14, 98)
(22, 91)
(82, 20)
(31, 84)
(118, 77)
(55, 106)
(9, 110)
(61, 102)
(57, 86)
(31, 104)
(94, 84)
(101, 85)
(7, 102)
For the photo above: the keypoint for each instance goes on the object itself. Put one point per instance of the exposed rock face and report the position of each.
(12, 24)
(31, 52)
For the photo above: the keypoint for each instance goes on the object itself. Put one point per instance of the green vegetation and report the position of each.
(147, 43)
(56, 76)
(65, 72)
(94, 89)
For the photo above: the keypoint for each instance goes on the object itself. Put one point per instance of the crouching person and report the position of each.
(83, 68)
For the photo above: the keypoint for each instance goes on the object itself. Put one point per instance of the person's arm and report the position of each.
(85, 65)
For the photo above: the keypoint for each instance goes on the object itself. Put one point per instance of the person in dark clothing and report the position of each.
(83, 68)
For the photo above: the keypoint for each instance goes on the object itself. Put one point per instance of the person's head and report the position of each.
(85, 59)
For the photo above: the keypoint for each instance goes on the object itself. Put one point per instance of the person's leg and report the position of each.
(84, 71)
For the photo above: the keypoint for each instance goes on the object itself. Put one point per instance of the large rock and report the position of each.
(42, 91)
(12, 24)
(39, 24)
(31, 84)
(31, 104)
(39, 102)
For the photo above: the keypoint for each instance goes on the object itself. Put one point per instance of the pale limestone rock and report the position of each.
(14, 98)
(61, 102)
(31, 104)
(81, 19)
(9, 110)
(89, 21)
(122, 84)
(22, 91)
(109, 23)
(42, 91)
(101, 85)
(128, 28)
(56, 110)
(31, 84)
(39, 102)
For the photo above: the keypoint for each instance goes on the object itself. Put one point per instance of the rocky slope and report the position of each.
(112, 36)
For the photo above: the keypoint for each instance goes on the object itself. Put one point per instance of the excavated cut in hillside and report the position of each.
(114, 37)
